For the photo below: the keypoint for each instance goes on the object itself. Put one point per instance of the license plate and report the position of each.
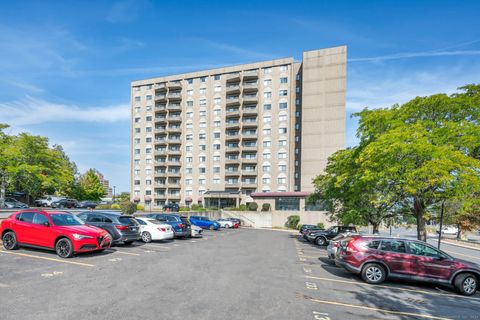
(134, 229)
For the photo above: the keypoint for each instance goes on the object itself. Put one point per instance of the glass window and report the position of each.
(267, 95)
(267, 107)
(216, 77)
(283, 93)
(267, 70)
(393, 246)
(287, 203)
(39, 219)
(283, 80)
(284, 68)
(203, 79)
(216, 135)
(282, 105)
(189, 81)
(423, 250)
(65, 219)
(267, 82)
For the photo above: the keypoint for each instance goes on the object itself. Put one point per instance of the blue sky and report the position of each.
(66, 66)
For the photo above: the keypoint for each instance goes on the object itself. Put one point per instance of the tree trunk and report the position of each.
(419, 210)
(375, 228)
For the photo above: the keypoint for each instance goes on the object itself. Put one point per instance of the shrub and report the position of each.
(242, 207)
(128, 208)
(140, 207)
(321, 225)
(299, 226)
(266, 207)
(292, 221)
(104, 206)
(252, 206)
(184, 209)
(197, 207)
(115, 206)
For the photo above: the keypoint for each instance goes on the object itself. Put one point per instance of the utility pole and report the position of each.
(441, 223)
(113, 200)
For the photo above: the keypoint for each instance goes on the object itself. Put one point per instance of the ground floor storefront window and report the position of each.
(287, 203)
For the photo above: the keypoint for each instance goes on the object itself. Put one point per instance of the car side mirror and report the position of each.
(46, 224)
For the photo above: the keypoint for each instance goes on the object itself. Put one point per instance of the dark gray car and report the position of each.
(121, 228)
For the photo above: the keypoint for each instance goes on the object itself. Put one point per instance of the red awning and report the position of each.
(148, 198)
(188, 199)
(136, 199)
(200, 199)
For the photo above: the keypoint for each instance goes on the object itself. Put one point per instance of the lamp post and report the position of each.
(113, 200)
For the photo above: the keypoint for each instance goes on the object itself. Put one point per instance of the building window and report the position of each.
(266, 180)
(297, 114)
(267, 82)
(148, 182)
(137, 172)
(282, 130)
(217, 100)
(216, 181)
(203, 91)
(148, 161)
(188, 181)
(266, 132)
(216, 158)
(282, 117)
(266, 168)
(203, 102)
(202, 170)
(137, 130)
(216, 123)
(148, 150)
(202, 158)
(189, 103)
(137, 109)
(216, 169)
(189, 81)
(267, 143)
(297, 89)
(283, 93)
(137, 120)
(148, 140)
(282, 168)
(148, 129)
(282, 155)
(217, 89)
(137, 182)
(297, 102)
(282, 143)
(216, 146)
(137, 88)
(190, 114)
(267, 119)
(149, 97)
(148, 118)
(203, 124)
(216, 77)
(216, 135)
(202, 147)
(298, 76)
(190, 93)
(284, 68)
(283, 80)
(287, 204)
(266, 155)
(282, 105)
(137, 140)
(203, 79)
(267, 95)
(203, 113)
(137, 162)
(189, 170)
(267, 107)
(188, 148)
(189, 159)
(202, 136)
(137, 99)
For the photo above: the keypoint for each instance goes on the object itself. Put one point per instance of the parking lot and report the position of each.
(234, 274)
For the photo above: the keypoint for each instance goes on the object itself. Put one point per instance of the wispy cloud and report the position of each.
(24, 86)
(30, 111)
(124, 11)
(417, 55)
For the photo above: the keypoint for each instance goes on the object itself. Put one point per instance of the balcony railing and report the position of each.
(233, 88)
(160, 97)
(233, 77)
(174, 84)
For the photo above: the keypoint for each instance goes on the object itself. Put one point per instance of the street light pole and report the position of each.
(441, 223)
(113, 194)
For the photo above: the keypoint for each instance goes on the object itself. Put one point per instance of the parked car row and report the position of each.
(67, 234)
(12, 203)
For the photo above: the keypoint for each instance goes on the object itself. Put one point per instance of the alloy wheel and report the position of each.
(63, 248)
(9, 241)
(146, 237)
(373, 274)
(470, 285)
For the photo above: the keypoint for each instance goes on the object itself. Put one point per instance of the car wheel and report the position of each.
(128, 242)
(64, 248)
(10, 241)
(373, 273)
(146, 237)
(212, 227)
(227, 226)
(321, 241)
(466, 284)
(61, 206)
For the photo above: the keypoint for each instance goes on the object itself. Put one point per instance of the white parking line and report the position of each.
(122, 252)
(3, 285)
(47, 258)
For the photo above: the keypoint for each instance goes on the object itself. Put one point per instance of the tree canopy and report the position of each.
(409, 158)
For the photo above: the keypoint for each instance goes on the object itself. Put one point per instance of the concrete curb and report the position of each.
(272, 229)
(460, 245)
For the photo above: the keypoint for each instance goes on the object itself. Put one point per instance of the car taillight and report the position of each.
(350, 247)
(121, 228)
(180, 225)
(162, 229)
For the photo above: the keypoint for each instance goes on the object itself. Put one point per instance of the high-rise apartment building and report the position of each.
(225, 133)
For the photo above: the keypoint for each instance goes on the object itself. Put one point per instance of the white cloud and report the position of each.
(35, 111)
(397, 56)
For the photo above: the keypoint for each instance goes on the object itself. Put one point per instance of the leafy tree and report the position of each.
(124, 196)
(128, 208)
(292, 221)
(90, 187)
(252, 206)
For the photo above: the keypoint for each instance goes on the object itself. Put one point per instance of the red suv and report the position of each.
(376, 258)
(59, 231)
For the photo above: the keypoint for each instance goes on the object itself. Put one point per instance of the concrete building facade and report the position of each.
(225, 133)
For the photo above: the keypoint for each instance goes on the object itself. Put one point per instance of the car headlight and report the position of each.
(77, 236)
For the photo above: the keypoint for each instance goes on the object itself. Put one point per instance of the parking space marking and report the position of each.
(156, 246)
(402, 313)
(394, 288)
(54, 273)
(122, 252)
(320, 316)
(3, 285)
(49, 259)
(311, 285)
(115, 259)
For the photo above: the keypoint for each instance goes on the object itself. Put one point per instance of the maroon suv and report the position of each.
(376, 258)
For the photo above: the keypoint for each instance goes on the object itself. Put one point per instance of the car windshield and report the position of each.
(127, 220)
(63, 219)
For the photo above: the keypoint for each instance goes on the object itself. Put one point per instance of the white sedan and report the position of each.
(152, 229)
(225, 223)
(196, 231)
(449, 230)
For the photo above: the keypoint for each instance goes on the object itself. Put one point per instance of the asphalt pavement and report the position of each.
(229, 274)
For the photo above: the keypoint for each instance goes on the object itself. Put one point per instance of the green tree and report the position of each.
(90, 187)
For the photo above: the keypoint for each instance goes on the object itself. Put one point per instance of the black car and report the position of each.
(121, 228)
(181, 225)
(306, 227)
(322, 237)
(173, 207)
(87, 204)
(65, 203)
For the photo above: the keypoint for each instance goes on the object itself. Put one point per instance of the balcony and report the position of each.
(160, 119)
(233, 112)
(160, 129)
(161, 150)
(249, 111)
(161, 97)
(174, 96)
(249, 184)
(250, 74)
(174, 107)
(232, 137)
(160, 87)
(233, 77)
(231, 184)
(161, 107)
(249, 172)
(249, 148)
(250, 87)
(175, 173)
(160, 196)
(231, 149)
(175, 151)
(249, 98)
(231, 89)
(174, 118)
(175, 129)
(249, 160)
(232, 160)
(174, 85)
(232, 125)
(232, 173)
(233, 101)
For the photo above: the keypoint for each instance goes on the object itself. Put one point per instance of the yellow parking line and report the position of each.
(410, 314)
(49, 259)
(395, 288)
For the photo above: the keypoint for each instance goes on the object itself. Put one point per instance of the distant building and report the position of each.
(105, 183)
